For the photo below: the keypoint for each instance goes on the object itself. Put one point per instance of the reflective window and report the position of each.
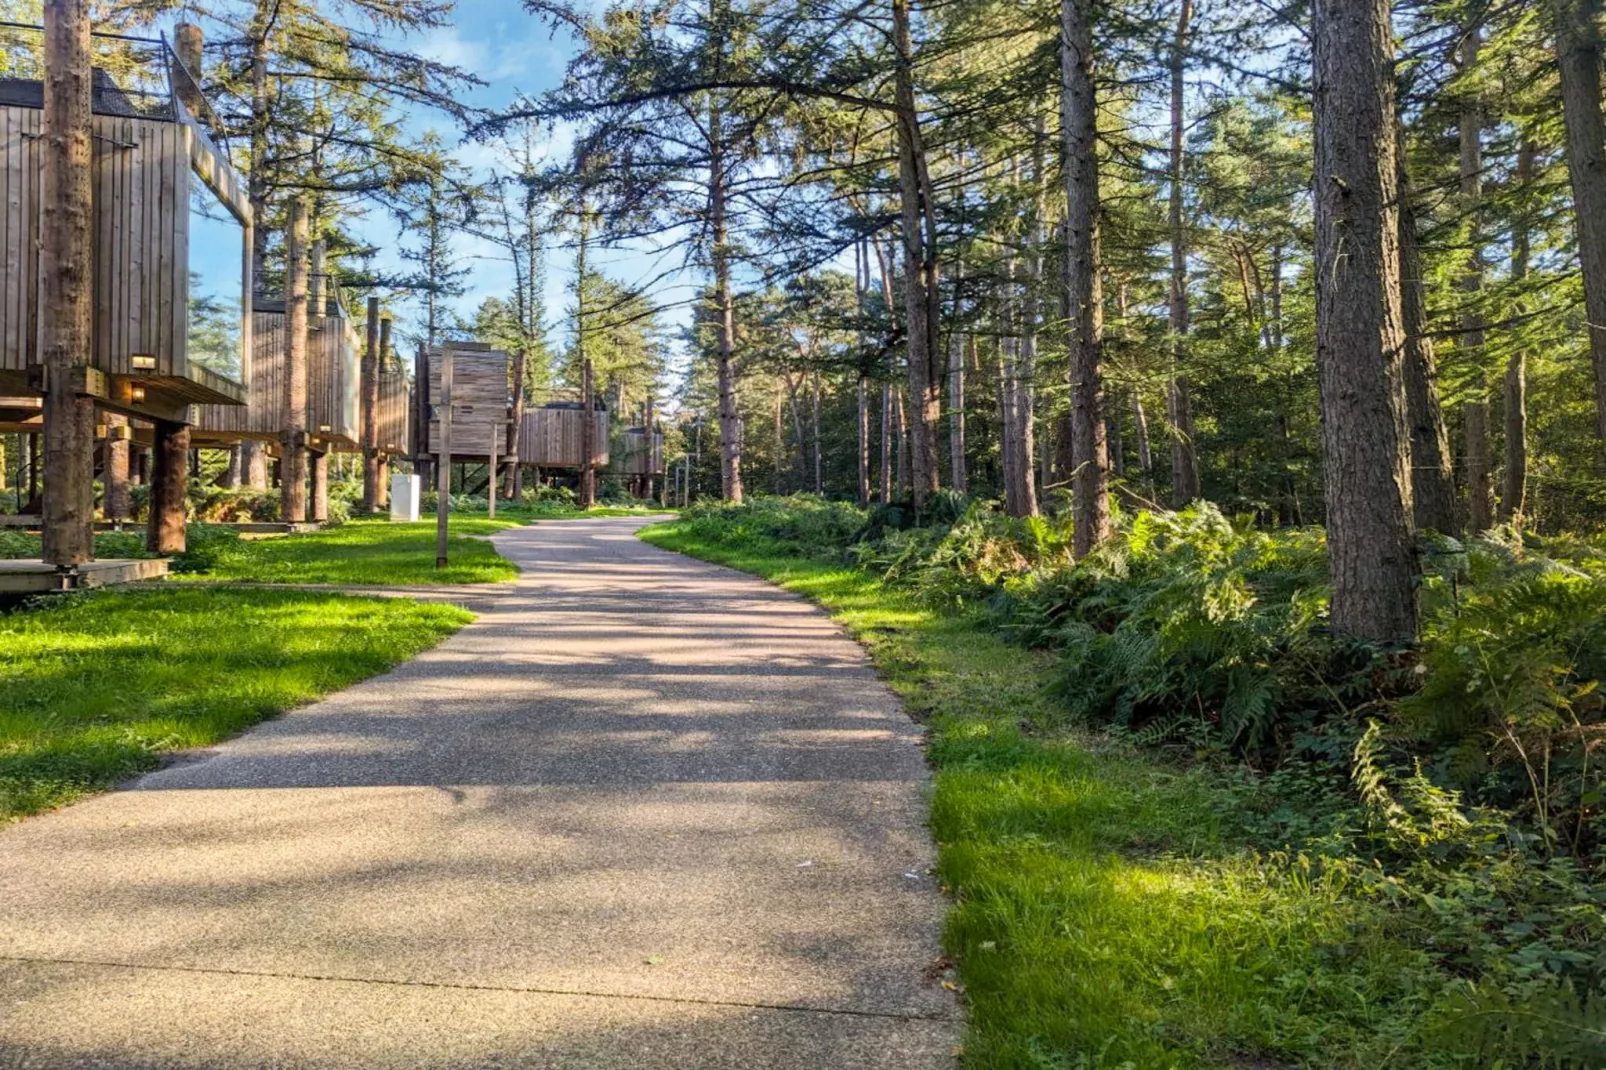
(216, 243)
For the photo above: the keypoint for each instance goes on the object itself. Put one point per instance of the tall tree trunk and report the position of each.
(66, 275)
(370, 410)
(901, 441)
(1359, 337)
(920, 270)
(293, 456)
(958, 476)
(1578, 58)
(1514, 488)
(863, 398)
(1140, 435)
(1432, 478)
(257, 178)
(253, 465)
(819, 448)
(1090, 462)
(1030, 305)
(887, 493)
(1179, 401)
(1475, 414)
(730, 426)
(118, 504)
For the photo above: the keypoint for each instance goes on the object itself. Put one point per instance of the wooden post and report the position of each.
(370, 411)
(588, 437)
(443, 463)
(497, 431)
(293, 461)
(66, 287)
(117, 500)
(169, 474)
(320, 485)
(381, 362)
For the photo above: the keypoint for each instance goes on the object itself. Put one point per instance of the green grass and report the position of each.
(1113, 908)
(95, 687)
(369, 552)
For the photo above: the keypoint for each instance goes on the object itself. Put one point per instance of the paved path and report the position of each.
(644, 812)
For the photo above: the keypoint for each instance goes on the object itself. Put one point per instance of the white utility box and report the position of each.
(404, 495)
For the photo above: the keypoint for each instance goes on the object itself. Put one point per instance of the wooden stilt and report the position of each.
(293, 461)
(169, 474)
(116, 506)
(320, 486)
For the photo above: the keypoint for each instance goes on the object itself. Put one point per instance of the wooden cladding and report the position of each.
(480, 399)
(332, 384)
(639, 453)
(143, 174)
(550, 437)
(395, 405)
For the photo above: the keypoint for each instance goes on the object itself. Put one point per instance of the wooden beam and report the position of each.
(66, 272)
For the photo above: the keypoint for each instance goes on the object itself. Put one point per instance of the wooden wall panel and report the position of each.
(639, 455)
(332, 371)
(550, 438)
(480, 400)
(395, 408)
(140, 231)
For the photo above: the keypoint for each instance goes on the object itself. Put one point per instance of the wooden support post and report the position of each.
(293, 460)
(320, 486)
(443, 464)
(66, 277)
(370, 411)
(497, 431)
(588, 439)
(117, 449)
(169, 476)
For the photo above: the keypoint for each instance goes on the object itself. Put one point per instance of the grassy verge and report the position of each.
(1114, 908)
(366, 552)
(95, 687)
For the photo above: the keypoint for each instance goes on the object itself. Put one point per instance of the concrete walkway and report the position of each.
(644, 812)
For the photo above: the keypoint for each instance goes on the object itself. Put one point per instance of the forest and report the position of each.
(1197, 407)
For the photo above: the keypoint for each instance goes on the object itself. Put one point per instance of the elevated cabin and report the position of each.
(395, 410)
(551, 436)
(481, 400)
(641, 453)
(171, 232)
(334, 372)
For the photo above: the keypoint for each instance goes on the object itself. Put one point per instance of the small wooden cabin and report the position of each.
(550, 436)
(158, 178)
(640, 453)
(395, 410)
(333, 381)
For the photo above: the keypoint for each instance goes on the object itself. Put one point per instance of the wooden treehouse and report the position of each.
(170, 232)
(334, 381)
(552, 436)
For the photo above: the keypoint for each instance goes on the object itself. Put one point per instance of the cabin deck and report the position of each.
(33, 576)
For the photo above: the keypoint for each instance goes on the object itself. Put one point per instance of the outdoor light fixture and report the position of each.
(323, 427)
(137, 393)
(143, 362)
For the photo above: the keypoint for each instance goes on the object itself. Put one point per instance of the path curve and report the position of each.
(643, 812)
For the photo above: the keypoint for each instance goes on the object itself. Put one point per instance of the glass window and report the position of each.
(217, 241)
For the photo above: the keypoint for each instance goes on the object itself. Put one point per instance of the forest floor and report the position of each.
(642, 811)
(1115, 907)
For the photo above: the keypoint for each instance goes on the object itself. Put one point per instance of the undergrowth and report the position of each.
(1186, 825)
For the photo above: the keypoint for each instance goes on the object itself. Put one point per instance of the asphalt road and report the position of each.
(643, 812)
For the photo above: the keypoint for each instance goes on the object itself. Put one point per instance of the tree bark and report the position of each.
(169, 478)
(293, 453)
(886, 444)
(864, 441)
(1179, 399)
(1140, 436)
(1514, 485)
(253, 465)
(1578, 58)
(588, 444)
(730, 427)
(920, 271)
(320, 486)
(1090, 462)
(66, 275)
(1031, 299)
(118, 504)
(1475, 413)
(1359, 336)
(370, 411)
(1432, 479)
